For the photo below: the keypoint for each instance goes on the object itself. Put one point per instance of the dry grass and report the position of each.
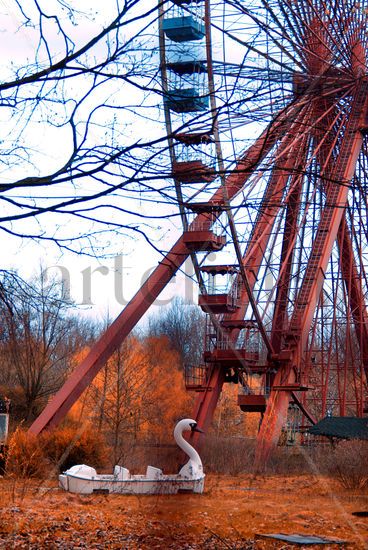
(232, 456)
(348, 463)
(232, 510)
(228, 515)
(30, 457)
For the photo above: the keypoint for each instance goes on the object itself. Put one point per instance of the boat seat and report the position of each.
(153, 473)
(82, 470)
(121, 473)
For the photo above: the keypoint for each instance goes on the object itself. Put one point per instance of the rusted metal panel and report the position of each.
(218, 303)
(233, 357)
(203, 241)
(193, 171)
(252, 403)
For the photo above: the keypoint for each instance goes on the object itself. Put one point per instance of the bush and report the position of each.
(29, 456)
(232, 455)
(19, 408)
(24, 457)
(348, 464)
(64, 447)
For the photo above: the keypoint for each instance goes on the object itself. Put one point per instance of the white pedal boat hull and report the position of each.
(137, 485)
(84, 479)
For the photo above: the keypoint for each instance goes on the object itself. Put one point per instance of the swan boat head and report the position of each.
(193, 469)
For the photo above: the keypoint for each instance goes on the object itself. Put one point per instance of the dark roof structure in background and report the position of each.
(342, 427)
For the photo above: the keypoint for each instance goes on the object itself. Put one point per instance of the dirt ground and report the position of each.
(228, 515)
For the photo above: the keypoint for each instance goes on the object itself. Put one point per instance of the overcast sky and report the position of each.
(101, 286)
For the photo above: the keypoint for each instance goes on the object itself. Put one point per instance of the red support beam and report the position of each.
(261, 234)
(269, 209)
(286, 262)
(205, 407)
(336, 199)
(354, 290)
(274, 418)
(109, 342)
(327, 135)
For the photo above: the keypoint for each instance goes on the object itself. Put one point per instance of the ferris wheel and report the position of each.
(266, 113)
(290, 325)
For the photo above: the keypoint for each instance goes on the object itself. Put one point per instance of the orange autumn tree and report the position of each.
(229, 420)
(165, 399)
(76, 414)
(138, 395)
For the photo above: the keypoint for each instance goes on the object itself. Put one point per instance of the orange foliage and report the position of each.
(24, 457)
(70, 445)
(230, 420)
(140, 393)
(166, 399)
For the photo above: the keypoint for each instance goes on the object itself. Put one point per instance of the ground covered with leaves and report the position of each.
(229, 515)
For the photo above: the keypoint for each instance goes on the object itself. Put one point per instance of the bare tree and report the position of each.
(83, 130)
(38, 339)
(120, 386)
(80, 106)
(183, 324)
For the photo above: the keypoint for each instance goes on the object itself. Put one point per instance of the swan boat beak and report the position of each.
(195, 428)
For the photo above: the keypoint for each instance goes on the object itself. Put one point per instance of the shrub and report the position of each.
(24, 457)
(348, 464)
(29, 456)
(228, 455)
(66, 446)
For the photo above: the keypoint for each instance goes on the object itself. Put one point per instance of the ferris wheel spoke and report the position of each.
(316, 28)
(286, 260)
(292, 34)
(262, 54)
(274, 36)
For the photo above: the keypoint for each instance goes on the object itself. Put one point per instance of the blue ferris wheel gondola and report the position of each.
(184, 29)
(186, 100)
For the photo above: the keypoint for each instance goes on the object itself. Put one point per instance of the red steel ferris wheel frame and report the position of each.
(289, 339)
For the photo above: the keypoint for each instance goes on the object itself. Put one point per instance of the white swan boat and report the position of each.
(85, 480)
